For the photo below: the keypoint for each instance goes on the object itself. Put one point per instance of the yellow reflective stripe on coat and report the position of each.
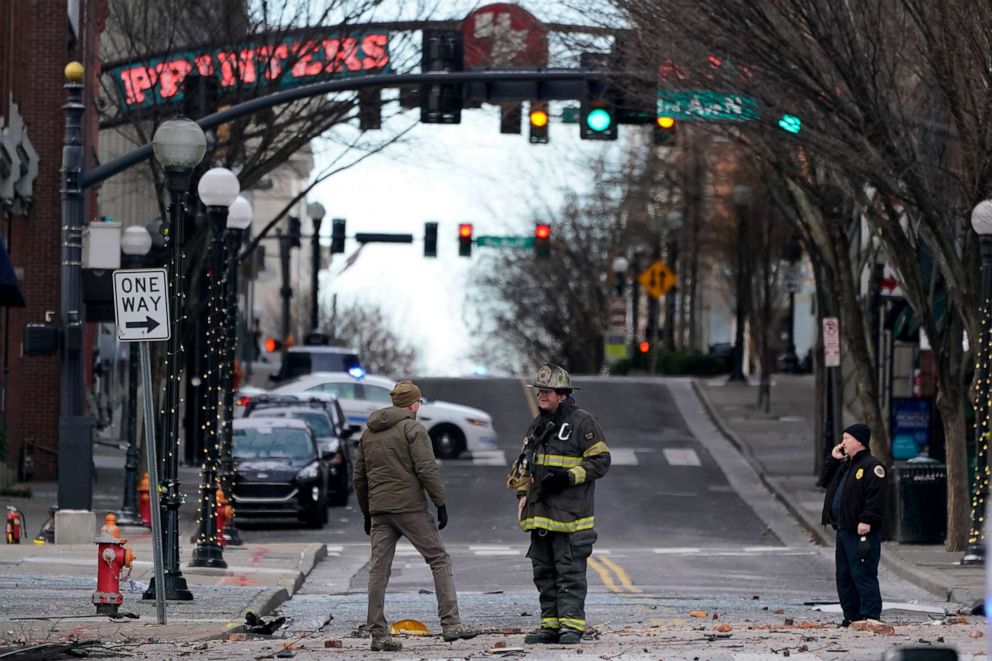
(596, 448)
(578, 474)
(558, 460)
(573, 623)
(543, 522)
(549, 623)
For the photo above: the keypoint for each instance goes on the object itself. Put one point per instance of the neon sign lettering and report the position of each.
(290, 63)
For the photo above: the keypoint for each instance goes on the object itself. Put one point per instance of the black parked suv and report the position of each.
(298, 361)
(326, 421)
(278, 470)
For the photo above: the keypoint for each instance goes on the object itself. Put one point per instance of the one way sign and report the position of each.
(141, 305)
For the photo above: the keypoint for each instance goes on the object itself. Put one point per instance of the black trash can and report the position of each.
(918, 511)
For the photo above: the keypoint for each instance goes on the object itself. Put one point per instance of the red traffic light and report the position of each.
(542, 231)
(465, 230)
(644, 347)
(271, 344)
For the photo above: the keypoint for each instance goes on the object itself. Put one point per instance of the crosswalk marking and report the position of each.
(729, 551)
(489, 458)
(494, 550)
(681, 457)
(618, 457)
(623, 457)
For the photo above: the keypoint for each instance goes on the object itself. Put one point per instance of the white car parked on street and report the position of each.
(453, 428)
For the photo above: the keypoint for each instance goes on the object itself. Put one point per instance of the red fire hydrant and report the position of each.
(14, 527)
(145, 501)
(224, 514)
(113, 558)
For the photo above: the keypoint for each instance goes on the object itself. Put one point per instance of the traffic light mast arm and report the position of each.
(553, 84)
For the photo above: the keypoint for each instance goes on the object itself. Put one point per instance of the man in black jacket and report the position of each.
(855, 505)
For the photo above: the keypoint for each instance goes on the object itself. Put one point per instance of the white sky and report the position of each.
(450, 174)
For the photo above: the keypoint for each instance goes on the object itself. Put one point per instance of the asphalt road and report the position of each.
(683, 525)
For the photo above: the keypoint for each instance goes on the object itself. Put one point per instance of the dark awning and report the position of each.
(10, 292)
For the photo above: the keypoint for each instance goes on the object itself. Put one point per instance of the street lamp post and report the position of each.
(75, 490)
(674, 220)
(619, 267)
(239, 217)
(316, 212)
(135, 244)
(179, 145)
(742, 203)
(793, 253)
(981, 222)
(286, 291)
(218, 189)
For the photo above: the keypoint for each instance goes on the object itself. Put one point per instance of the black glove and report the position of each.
(556, 482)
(442, 516)
(368, 525)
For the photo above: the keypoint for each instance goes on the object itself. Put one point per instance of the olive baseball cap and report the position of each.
(404, 394)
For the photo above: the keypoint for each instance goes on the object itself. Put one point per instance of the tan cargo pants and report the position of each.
(420, 530)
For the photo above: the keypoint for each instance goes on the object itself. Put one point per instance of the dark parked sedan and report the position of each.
(279, 471)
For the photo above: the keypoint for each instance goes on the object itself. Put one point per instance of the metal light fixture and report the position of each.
(179, 145)
(239, 217)
(316, 212)
(135, 244)
(218, 190)
(742, 195)
(981, 222)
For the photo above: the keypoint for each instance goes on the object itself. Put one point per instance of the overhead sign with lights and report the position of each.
(292, 62)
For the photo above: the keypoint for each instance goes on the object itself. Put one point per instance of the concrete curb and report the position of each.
(890, 557)
(270, 599)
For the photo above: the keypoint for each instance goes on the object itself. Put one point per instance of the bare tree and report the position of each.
(894, 99)
(371, 332)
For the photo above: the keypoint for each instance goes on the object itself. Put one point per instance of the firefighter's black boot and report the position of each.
(542, 637)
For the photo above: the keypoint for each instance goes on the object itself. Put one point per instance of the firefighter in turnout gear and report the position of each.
(563, 454)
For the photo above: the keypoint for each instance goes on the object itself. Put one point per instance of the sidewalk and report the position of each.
(46, 589)
(780, 446)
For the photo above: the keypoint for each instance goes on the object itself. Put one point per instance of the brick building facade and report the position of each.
(39, 37)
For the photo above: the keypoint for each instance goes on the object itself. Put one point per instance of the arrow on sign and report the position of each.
(148, 324)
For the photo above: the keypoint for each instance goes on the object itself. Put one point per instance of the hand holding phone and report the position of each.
(838, 451)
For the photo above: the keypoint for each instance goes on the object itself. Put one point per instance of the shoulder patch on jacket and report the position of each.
(590, 436)
(879, 471)
(859, 474)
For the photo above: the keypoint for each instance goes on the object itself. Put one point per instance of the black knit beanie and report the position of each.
(860, 431)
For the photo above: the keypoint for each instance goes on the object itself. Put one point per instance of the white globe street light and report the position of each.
(179, 144)
(316, 210)
(981, 217)
(137, 241)
(239, 214)
(620, 265)
(218, 187)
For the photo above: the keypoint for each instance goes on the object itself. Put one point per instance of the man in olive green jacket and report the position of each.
(394, 466)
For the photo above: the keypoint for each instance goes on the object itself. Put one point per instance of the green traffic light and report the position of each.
(790, 123)
(599, 120)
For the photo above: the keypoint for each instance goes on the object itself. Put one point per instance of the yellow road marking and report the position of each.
(604, 574)
(529, 396)
(621, 574)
